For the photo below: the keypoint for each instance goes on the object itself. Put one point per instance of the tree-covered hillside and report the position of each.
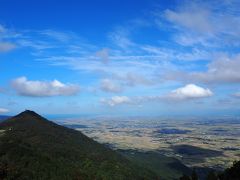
(232, 173)
(32, 147)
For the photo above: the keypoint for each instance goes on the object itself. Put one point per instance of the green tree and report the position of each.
(185, 177)
(194, 175)
(212, 176)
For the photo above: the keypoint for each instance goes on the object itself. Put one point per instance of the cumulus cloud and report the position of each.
(116, 100)
(190, 91)
(25, 87)
(3, 110)
(110, 86)
(6, 46)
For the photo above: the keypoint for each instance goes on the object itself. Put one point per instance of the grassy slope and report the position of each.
(34, 148)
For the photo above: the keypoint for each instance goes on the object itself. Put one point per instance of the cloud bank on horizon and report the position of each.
(183, 53)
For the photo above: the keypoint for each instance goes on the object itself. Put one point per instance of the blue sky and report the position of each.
(123, 58)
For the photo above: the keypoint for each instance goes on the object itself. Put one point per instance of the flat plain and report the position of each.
(212, 143)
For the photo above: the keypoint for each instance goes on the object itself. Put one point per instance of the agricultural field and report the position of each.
(211, 143)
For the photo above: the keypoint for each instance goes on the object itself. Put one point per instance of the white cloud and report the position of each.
(25, 87)
(170, 54)
(38, 45)
(7, 39)
(204, 23)
(133, 79)
(60, 36)
(6, 46)
(127, 70)
(110, 86)
(120, 37)
(103, 55)
(188, 39)
(194, 18)
(190, 91)
(224, 70)
(116, 100)
(3, 110)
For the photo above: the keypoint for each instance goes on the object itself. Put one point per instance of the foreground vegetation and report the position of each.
(232, 173)
(165, 167)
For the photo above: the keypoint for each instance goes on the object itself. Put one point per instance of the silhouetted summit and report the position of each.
(29, 113)
(28, 120)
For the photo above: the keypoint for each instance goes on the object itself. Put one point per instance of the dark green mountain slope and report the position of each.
(32, 147)
(232, 173)
(166, 167)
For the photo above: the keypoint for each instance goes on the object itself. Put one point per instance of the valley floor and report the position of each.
(198, 143)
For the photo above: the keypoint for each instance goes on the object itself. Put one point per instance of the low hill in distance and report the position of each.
(31, 147)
